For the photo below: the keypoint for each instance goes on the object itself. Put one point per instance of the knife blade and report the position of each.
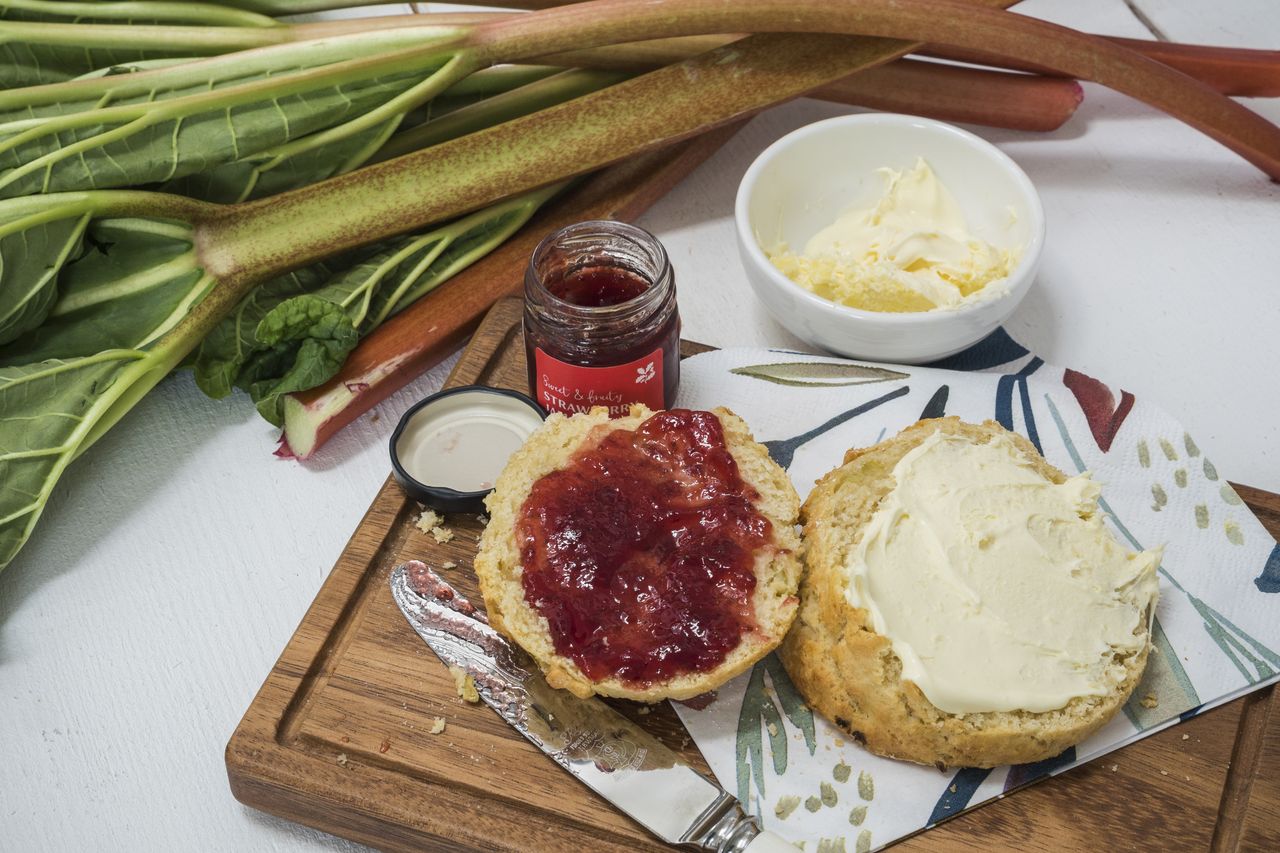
(608, 753)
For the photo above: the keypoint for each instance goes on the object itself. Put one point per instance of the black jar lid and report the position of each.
(449, 448)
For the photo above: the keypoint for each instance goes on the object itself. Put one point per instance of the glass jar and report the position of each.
(601, 327)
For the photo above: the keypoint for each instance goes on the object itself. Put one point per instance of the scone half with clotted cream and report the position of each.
(963, 603)
(652, 556)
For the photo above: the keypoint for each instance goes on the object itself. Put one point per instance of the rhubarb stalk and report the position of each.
(1228, 70)
(65, 383)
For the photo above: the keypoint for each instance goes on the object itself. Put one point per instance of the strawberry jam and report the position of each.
(597, 286)
(640, 553)
(601, 323)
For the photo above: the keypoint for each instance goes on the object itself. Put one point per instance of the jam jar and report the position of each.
(601, 327)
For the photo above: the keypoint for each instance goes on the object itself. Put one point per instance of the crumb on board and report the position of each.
(427, 520)
(773, 729)
(643, 710)
(345, 739)
(482, 518)
(786, 805)
(465, 684)
(1115, 767)
(437, 726)
(342, 759)
(1186, 737)
(431, 523)
(1164, 772)
(448, 564)
(952, 789)
(1150, 701)
(384, 746)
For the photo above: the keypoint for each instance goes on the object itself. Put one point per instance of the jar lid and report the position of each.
(449, 448)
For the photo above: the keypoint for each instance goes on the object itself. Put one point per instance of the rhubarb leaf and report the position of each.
(224, 351)
(45, 409)
(134, 280)
(278, 340)
(119, 289)
(30, 258)
(28, 61)
(133, 145)
(304, 341)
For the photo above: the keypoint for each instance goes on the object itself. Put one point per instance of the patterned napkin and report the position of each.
(1216, 631)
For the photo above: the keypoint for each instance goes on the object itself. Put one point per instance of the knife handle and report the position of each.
(767, 842)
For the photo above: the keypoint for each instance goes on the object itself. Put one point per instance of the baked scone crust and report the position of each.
(497, 562)
(850, 674)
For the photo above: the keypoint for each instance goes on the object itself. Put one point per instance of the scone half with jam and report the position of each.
(648, 557)
(963, 603)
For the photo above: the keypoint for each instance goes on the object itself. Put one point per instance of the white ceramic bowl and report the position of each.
(806, 179)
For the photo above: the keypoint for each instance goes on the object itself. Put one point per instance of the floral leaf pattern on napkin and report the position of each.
(1217, 577)
(818, 374)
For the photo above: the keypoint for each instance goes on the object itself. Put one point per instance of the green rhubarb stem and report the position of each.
(946, 92)
(506, 106)
(264, 238)
(175, 12)
(195, 40)
(391, 51)
(297, 7)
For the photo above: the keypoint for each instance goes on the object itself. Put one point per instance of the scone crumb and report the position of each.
(1115, 767)
(1150, 701)
(1186, 737)
(841, 772)
(427, 520)
(448, 564)
(773, 729)
(465, 684)
(644, 710)
(828, 794)
(953, 789)
(431, 523)
(342, 759)
(813, 804)
(786, 805)
(1164, 772)
(437, 726)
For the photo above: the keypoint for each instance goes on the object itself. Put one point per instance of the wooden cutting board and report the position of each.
(339, 737)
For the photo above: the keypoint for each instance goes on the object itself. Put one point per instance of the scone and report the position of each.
(648, 557)
(962, 603)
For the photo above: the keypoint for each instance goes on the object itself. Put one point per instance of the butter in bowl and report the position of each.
(888, 237)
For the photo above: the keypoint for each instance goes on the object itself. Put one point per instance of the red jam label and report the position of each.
(572, 388)
(640, 553)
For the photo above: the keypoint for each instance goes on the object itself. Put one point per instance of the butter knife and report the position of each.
(608, 753)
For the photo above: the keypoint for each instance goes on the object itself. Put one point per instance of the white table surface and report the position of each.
(177, 557)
